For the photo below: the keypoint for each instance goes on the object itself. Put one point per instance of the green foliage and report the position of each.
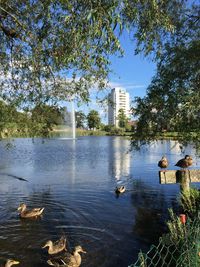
(80, 119)
(112, 130)
(35, 122)
(56, 50)
(190, 201)
(173, 250)
(11, 120)
(43, 117)
(172, 102)
(108, 128)
(49, 115)
(116, 131)
(123, 120)
(176, 228)
(93, 120)
(44, 41)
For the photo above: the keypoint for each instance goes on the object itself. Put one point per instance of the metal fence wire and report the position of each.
(181, 250)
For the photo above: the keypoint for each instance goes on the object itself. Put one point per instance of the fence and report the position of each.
(182, 250)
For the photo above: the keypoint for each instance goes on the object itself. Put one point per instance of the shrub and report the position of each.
(190, 201)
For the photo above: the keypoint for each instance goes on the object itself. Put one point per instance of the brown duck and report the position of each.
(24, 213)
(10, 262)
(56, 247)
(68, 260)
(185, 162)
(120, 189)
(163, 163)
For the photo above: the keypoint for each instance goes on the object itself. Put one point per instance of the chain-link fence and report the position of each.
(182, 250)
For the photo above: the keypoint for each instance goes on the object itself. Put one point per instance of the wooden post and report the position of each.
(184, 177)
(185, 181)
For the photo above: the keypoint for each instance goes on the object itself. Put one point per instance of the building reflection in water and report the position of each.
(120, 158)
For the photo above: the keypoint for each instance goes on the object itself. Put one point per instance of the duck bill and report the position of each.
(44, 246)
(16, 262)
(19, 208)
(83, 251)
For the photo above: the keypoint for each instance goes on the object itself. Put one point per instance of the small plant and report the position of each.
(190, 201)
(142, 259)
(176, 227)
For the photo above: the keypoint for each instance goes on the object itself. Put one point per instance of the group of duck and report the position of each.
(182, 163)
(54, 248)
(60, 256)
(163, 164)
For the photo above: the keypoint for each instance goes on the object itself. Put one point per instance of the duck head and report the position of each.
(22, 207)
(10, 262)
(49, 243)
(78, 249)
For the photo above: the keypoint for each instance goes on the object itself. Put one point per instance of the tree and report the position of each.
(122, 119)
(11, 118)
(80, 119)
(54, 50)
(93, 120)
(47, 114)
(44, 41)
(172, 102)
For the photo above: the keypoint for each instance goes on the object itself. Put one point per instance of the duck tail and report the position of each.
(41, 210)
(50, 262)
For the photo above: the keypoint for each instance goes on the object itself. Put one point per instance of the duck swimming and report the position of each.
(120, 189)
(163, 163)
(185, 162)
(24, 213)
(56, 247)
(10, 262)
(68, 260)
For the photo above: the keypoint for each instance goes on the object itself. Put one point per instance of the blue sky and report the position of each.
(131, 72)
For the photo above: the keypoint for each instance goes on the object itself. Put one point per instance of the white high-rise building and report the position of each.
(117, 99)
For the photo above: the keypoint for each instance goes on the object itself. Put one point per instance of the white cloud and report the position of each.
(113, 84)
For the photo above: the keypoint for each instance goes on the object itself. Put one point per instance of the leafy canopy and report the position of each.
(172, 102)
(80, 119)
(93, 120)
(56, 49)
(122, 119)
(53, 50)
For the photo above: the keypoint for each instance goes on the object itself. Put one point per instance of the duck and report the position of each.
(68, 260)
(163, 163)
(120, 189)
(10, 262)
(24, 213)
(185, 162)
(56, 247)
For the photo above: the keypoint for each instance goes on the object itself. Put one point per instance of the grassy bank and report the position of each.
(15, 130)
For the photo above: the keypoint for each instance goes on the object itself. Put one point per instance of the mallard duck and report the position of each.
(10, 262)
(120, 189)
(185, 162)
(68, 260)
(163, 163)
(56, 247)
(24, 213)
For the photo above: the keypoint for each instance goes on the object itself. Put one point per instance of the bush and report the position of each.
(190, 201)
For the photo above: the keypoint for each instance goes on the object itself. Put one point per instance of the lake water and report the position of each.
(75, 182)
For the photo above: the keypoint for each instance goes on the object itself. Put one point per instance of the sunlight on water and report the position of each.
(75, 182)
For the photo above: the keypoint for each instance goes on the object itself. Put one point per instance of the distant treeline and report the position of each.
(43, 120)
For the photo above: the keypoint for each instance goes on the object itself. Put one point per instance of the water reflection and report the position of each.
(75, 182)
(119, 158)
(151, 211)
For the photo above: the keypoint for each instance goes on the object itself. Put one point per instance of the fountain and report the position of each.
(67, 128)
(73, 119)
